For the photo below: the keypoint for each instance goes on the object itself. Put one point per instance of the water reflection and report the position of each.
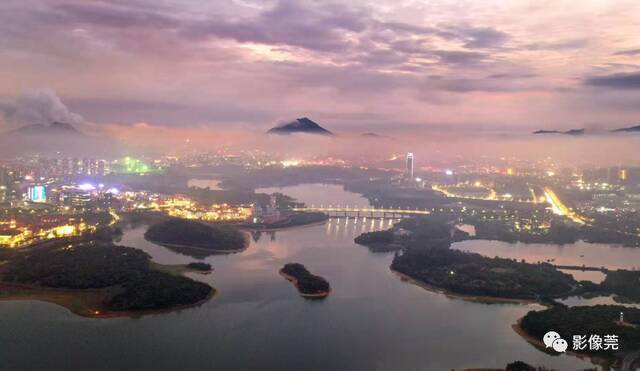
(575, 301)
(579, 253)
(348, 227)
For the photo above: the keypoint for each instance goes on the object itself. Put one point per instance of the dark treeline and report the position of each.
(199, 266)
(307, 283)
(624, 283)
(593, 320)
(196, 234)
(472, 274)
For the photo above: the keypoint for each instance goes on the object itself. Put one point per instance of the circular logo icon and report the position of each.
(560, 345)
(549, 338)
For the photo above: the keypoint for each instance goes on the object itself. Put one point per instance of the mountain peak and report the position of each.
(62, 126)
(630, 129)
(568, 132)
(54, 128)
(300, 125)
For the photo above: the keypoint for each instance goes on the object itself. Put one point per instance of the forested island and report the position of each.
(97, 279)
(309, 285)
(598, 320)
(182, 233)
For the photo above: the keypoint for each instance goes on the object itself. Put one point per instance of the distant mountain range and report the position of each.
(568, 132)
(631, 129)
(57, 137)
(55, 128)
(301, 125)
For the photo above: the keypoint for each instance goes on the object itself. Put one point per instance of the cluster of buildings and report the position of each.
(18, 230)
(265, 214)
(183, 207)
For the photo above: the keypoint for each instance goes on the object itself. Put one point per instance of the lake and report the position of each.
(371, 321)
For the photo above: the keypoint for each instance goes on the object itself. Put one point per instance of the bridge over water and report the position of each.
(369, 212)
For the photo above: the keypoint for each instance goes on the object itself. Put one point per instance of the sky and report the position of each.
(349, 65)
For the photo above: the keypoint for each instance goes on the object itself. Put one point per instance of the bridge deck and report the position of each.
(362, 210)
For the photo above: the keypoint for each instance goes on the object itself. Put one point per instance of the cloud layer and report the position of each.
(251, 63)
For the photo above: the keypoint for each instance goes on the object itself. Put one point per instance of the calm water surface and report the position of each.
(371, 321)
(579, 253)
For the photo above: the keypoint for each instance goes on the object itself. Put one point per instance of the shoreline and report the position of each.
(83, 302)
(539, 344)
(471, 298)
(294, 280)
(88, 303)
(213, 251)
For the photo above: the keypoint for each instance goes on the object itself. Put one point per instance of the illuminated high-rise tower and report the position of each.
(410, 164)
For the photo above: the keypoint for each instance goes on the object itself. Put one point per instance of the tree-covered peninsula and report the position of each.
(472, 274)
(97, 279)
(598, 320)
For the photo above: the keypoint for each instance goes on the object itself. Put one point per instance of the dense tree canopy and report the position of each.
(594, 320)
(125, 271)
(196, 234)
(307, 283)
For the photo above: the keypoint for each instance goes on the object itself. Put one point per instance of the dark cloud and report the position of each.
(460, 57)
(481, 37)
(512, 75)
(467, 85)
(320, 28)
(115, 16)
(630, 52)
(341, 32)
(625, 81)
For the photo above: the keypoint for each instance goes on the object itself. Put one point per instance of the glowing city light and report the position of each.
(86, 187)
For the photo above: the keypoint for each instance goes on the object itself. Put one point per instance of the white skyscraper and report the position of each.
(410, 164)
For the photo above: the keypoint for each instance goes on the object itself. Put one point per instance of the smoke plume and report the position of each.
(40, 106)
